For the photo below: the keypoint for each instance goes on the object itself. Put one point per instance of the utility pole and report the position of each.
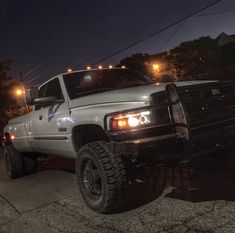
(22, 83)
(22, 78)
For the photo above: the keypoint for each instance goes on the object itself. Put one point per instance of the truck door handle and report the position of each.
(40, 117)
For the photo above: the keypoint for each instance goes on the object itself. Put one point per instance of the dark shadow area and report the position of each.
(56, 163)
(147, 183)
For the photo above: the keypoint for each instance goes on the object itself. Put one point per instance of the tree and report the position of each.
(228, 52)
(192, 59)
(9, 107)
(202, 58)
(136, 62)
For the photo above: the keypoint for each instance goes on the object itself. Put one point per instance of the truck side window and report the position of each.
(51, 88)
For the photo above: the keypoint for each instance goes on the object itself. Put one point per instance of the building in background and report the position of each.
(224, 39)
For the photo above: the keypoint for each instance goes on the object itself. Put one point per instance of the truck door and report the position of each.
(48, 124)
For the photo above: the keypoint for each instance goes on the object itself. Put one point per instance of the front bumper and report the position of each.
(163, 146)
(160, 147)
(158, 141)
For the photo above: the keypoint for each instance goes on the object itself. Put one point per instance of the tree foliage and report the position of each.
(9, 107)
(202, 58)
(136, 62)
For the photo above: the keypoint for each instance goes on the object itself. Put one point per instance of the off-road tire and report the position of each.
(29, 164)
(14, 162)
(112, 173)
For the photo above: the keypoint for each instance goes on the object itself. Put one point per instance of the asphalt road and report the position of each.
(162, 199)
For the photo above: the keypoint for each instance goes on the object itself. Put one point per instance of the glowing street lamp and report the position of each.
(155, 70)
(69, 70)
(19, 92)
(156, 67)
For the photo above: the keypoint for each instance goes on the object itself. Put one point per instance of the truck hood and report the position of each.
(132, 94)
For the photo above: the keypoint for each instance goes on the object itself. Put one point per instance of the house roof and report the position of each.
(224, 39)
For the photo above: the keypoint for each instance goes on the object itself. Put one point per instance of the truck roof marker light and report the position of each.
(88, 67)
(100, 67)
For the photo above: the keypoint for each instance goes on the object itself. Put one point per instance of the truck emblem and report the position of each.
(62, 129)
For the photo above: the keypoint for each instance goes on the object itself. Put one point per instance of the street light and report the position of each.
(155, 70)
(19, 92)
(156, 67)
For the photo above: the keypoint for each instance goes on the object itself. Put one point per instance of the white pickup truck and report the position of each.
(102, 118)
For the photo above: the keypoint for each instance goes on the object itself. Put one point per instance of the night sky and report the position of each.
(45, 37)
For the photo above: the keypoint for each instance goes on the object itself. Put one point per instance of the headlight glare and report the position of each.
(130, 120)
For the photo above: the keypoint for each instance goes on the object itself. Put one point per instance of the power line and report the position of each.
(171, 36)
(186, 3)
(132, 34)
(146, 38)
(32, 70)
(214, 13)
(36, 77)
(155, 33)
(180, 26)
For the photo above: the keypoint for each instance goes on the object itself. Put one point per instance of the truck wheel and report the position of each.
(30, 164)
(101, 177)
(14, 162)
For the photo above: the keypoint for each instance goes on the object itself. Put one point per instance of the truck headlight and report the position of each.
(130, 120)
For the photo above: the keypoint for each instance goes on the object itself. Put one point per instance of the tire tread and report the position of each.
(115, 174)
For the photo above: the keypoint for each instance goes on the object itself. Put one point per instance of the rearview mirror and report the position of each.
(31, 94)
(47, 100)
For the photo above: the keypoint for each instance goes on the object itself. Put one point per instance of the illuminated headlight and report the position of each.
(130, 120)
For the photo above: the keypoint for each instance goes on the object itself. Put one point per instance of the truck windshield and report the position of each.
(90, 82)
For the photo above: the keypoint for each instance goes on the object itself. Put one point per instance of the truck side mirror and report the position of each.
(30, 95)
(47, 100)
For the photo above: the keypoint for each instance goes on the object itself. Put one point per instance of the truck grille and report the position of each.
(209, 113)
(208, 103)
